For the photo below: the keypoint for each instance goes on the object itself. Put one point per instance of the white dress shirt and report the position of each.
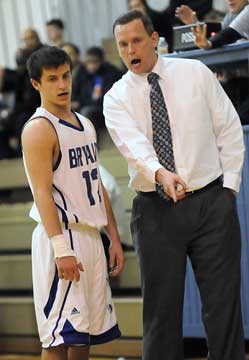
(206, 131)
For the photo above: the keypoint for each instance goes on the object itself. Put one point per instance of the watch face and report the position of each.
(158, 5)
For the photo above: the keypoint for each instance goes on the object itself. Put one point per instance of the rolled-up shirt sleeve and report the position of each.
(228, 131)
(129, 138)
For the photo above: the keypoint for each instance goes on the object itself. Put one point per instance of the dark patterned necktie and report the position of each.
(162, 139)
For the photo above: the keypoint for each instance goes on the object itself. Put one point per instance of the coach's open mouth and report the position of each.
(135, 61)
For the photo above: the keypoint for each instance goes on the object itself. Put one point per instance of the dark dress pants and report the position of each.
(205, 227)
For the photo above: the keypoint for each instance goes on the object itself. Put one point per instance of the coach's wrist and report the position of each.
(60, 246)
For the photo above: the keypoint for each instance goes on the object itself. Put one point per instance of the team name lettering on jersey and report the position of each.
(81, 155)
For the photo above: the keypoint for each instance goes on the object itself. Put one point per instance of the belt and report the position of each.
(212, 184)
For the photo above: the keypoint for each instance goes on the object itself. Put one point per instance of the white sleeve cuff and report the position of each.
(149, 170)
(232, 181)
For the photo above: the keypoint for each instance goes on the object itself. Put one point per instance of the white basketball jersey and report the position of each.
(76, 191)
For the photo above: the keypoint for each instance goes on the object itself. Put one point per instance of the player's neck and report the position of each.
(62, 112)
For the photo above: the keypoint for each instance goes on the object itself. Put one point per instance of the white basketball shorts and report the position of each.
(72, 313)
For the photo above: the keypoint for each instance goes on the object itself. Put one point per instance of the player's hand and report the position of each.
(186, 14)
(200, 36)
(116, 261)
(68, 268)
(173, 185)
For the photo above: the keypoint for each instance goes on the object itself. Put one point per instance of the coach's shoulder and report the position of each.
(120, 88)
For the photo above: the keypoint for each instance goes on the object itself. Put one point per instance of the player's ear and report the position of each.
(35, 84)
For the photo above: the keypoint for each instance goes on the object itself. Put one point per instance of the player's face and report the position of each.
(236, 5)
(55, 85)
(136, 47)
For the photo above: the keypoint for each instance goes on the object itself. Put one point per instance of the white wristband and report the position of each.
(60, 246)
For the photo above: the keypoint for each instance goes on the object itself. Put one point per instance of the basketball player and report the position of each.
(72, 296)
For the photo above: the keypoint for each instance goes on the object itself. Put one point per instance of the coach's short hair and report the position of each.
(46, 57)
(134, 15)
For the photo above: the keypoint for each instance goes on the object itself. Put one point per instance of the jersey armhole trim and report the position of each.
(58, 160)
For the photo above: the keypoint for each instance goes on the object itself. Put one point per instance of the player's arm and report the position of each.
(116, 261)
(38, 141)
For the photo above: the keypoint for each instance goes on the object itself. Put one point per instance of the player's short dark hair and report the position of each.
(134, 15)
(56, 22)
(73, 46)
(46, 57)
(96, 51)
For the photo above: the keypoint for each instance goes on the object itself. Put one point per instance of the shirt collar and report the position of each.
(158, 69)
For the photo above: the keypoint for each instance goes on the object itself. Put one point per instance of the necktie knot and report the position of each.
(152, 78)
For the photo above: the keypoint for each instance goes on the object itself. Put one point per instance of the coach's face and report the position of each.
(55, 85)
(136, 47)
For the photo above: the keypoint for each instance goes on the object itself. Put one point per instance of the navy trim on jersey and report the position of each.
(64, 215)
(60, 313)
(78, 120)
(58, 161)
(62, 197)
(71, 238)
(109, 335)
(52, 294)
(66, 123)
(72, 336)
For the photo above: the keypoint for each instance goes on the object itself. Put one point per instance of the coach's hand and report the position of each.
(116, 261)
(69, 268)
(173, 185)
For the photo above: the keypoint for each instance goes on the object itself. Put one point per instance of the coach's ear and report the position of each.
(35, 84)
